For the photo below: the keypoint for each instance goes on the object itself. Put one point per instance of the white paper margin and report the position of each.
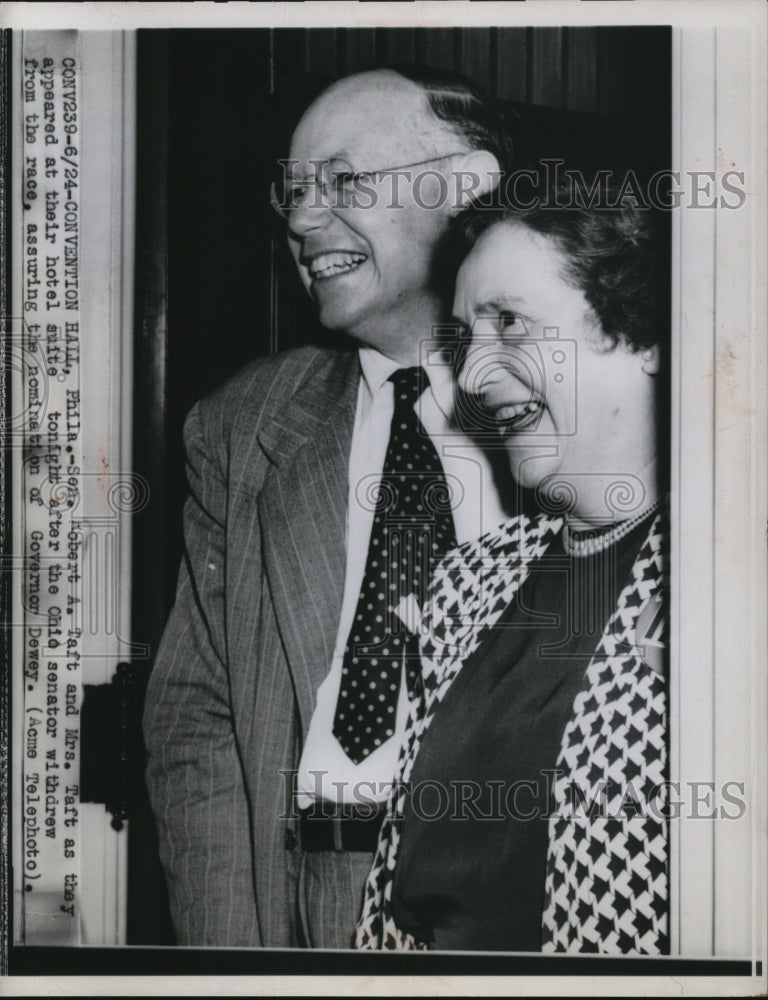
(738, 488)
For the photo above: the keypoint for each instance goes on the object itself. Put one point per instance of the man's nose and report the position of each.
(311, 213)
(482, 359)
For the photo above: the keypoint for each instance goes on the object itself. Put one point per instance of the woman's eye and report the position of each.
(511, 325)
(507, 319)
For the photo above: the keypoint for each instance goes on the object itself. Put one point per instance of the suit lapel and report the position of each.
(303, 510)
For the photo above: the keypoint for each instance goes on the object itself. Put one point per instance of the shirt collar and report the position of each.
(377, 368)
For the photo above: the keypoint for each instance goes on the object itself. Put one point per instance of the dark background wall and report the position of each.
(215, 286)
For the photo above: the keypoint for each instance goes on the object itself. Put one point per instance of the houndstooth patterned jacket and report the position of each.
(606, 879)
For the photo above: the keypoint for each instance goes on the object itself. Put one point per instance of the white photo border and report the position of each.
(720, 394)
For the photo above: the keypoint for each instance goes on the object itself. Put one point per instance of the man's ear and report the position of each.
(474, 175)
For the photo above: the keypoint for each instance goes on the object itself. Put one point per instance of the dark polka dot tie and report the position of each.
(412, 528)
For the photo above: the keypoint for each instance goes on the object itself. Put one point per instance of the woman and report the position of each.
(528, 812)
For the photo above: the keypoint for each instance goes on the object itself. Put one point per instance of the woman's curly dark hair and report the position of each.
(615, 254)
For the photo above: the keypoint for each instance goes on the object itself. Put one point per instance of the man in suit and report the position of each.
(245, 721)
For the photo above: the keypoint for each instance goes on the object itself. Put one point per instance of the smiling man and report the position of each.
(324, 485)
(370, 269)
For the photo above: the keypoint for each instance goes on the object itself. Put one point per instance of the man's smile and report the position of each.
(328, 265)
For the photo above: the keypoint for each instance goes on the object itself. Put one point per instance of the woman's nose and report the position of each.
(482, 359)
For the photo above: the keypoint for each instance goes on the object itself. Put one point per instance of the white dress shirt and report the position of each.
(325, 771)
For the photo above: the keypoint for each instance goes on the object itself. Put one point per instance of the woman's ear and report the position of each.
(650, 358)
(476, 173)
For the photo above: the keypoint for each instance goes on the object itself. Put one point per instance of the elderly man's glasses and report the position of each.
(336, 184)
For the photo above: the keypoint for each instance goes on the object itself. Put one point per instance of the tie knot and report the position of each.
(409, 384)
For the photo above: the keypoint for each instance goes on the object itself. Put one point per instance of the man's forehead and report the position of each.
(369, 115)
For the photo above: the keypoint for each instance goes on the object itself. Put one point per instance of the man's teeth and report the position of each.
(329, 264)
(518, 415)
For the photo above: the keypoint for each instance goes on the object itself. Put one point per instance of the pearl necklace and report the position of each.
(589, 544)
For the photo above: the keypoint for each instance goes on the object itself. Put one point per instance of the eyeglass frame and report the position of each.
(354, 178)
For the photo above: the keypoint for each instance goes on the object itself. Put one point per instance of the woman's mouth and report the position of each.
(328, 265)
(518, 417)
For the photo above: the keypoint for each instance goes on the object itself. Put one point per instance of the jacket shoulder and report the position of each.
(255, 394)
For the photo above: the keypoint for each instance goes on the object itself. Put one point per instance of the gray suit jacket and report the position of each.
(249, 640)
